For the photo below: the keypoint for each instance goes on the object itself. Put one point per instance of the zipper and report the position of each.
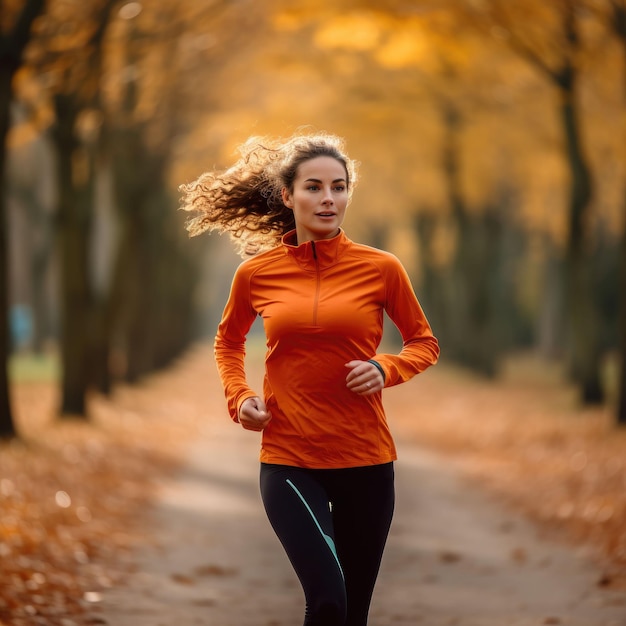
(318, 281)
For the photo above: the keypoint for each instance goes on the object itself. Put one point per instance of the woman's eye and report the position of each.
(312, 188)
(340, 188)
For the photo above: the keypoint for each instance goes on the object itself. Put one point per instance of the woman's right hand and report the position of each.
(253, 414)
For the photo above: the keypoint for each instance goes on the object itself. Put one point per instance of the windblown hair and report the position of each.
(245, 201)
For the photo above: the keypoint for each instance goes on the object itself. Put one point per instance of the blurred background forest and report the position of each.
(492, 142)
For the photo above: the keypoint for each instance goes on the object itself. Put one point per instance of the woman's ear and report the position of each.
(287, 201)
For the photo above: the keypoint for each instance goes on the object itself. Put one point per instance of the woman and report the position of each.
(327, 454)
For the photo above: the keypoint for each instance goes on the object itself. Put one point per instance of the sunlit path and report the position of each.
(454, 557)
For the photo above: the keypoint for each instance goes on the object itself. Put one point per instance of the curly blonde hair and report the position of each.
(245, 200)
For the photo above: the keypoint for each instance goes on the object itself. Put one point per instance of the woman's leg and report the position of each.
(298, 508)
(362, 504)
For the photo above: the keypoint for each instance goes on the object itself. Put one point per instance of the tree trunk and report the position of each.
(7, 427)
(12, 45)
(549, 323)
(585, 351)
(619, 27)
(74, 220)
(39, 271)
(149, 328)
(456, 286)
(472, 333)
(76, 167)
(432, 293)
(140, 339)
(621, 406)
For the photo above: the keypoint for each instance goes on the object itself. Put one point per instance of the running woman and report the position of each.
(327, 454)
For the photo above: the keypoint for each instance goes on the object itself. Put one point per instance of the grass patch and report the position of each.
(30, 367)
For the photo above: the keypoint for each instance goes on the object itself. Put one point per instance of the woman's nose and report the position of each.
(328, 197)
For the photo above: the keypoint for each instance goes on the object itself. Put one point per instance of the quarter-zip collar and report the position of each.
(316, 255)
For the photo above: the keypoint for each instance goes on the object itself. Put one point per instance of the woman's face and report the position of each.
(319, 198)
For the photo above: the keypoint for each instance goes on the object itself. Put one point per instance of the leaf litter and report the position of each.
(74, 493)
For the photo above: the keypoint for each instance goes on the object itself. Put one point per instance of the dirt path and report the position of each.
(454, 556)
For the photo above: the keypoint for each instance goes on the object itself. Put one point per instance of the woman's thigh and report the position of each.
(297, 506)
(362, 504)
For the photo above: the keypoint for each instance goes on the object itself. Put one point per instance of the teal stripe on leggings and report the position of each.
(327, 538)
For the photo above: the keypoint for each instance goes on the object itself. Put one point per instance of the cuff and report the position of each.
(379, 367)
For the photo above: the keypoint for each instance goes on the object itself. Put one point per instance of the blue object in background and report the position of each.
(21, 326)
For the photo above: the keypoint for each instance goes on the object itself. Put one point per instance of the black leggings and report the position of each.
(333, 525)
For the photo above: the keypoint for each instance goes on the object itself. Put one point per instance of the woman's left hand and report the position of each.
(364, 378)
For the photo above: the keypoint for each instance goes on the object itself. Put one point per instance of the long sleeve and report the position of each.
(420, 348)
(230, 342)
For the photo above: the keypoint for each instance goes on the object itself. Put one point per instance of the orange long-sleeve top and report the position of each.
(322, 306)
